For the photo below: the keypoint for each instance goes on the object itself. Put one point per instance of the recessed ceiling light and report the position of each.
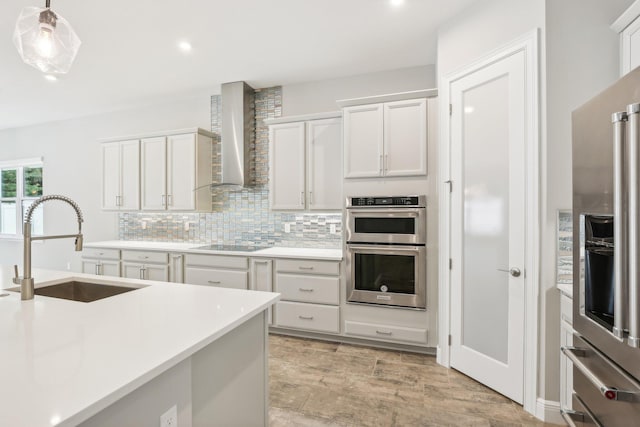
(396, 2)
(185, 46)
(50, 77)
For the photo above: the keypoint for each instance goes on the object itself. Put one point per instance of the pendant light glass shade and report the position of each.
(45, 40)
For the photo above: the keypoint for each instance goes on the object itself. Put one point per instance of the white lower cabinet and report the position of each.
(313, 317)
(217, 270)
(566, 340)
(262, 278)
(310, 295)
(102, 262)
(145, 265)
(386, 332)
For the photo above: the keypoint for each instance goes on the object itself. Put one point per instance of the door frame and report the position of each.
(529, 44)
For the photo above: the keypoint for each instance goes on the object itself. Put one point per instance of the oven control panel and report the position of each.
(396, 201)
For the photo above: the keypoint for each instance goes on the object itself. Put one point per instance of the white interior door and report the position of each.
(488, 135)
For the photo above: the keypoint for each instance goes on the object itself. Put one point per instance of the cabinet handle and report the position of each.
(143, 257)
(384, 332)
(176, 257)
(170, 200)
(305, 268)
(142, 270)
(97, 269)
(163, 200)
(305, 290)
(305, 317)
(386, 163)
(310, 197)
(381, 164)
(214, 282)
(117, 200)
(302, 198)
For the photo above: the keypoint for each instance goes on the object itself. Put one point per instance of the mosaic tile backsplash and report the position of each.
(564, 273)
(240, 217)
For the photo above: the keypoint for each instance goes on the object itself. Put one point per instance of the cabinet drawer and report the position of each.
(213, 277)
(312, 317)
(113, 254)
(308, 266)
(221, 261)
(384, 332)
(316, 289)
(144, 257)
(566, 309)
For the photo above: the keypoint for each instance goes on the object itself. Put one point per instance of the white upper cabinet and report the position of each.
(158, 172)
(385, 139)
(405, 138)
(286, 166)
(628, 26)
(154, 173)
(305, 164)
(363, 141)
(121, 175)
(324, 166)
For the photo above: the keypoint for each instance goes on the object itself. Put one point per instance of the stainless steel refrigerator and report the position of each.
(606, 256)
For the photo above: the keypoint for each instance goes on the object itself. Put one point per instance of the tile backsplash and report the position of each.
(564, 272)
(240, 217)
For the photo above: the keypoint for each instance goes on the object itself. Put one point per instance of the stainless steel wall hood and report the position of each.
(238, 129)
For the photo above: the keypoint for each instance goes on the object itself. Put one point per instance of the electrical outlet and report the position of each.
(186, 226)
(287, 227)
(69, 265)
(170, 418)
(144, 225)
(332, 228)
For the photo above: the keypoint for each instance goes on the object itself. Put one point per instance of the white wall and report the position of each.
(320, 96)
(582, 59)
(579, 57)
(72, 167)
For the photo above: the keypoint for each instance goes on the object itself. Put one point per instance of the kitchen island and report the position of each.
(130, 358)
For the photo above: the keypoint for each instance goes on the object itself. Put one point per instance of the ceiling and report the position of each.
(129, 54)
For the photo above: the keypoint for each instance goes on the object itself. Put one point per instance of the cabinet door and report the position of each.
(262, 278)
(405, 138)
(363, 135)
(324, 171)
(110, 175)
(176, 268)
(130, 175)
(286, 166)
(154, 177)
(158, 273)
(630, 47)
(132, 271)
(109, 268)
(90, 266)
(181, 172)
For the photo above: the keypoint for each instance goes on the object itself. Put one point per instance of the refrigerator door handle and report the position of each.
(632, 164)
(620, 231)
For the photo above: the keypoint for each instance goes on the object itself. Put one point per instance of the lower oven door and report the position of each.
(610, 396)
(392, 275)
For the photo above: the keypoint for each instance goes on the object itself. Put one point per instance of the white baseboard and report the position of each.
(548, 411)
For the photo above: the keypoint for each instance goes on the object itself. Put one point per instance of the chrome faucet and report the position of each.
(26, 282)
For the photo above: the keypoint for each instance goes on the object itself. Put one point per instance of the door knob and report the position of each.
(515, 272)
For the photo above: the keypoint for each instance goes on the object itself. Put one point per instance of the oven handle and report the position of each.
(390, 248)
(398, 212)
(612, 393)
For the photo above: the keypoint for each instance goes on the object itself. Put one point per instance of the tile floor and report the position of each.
(316, 383)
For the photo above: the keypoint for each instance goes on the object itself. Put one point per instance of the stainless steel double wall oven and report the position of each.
(386, 251)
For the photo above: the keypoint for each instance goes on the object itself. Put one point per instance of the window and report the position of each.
(20, 186)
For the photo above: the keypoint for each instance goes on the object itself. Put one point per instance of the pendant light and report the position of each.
(45, 40)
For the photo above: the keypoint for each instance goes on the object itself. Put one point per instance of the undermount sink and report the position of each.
(79, 291)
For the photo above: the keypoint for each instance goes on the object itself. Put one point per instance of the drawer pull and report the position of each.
(214, 282)
(306, 317)
(384, 332)
(575, 355)
(305, 268)
(100, 253)
(143, 257)
(305, 290)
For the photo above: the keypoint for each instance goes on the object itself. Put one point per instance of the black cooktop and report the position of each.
(237, 248)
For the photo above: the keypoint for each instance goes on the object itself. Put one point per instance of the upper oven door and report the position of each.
(395, 225)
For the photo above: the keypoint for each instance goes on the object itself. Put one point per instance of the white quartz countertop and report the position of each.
(274, 252)
(64, 361)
